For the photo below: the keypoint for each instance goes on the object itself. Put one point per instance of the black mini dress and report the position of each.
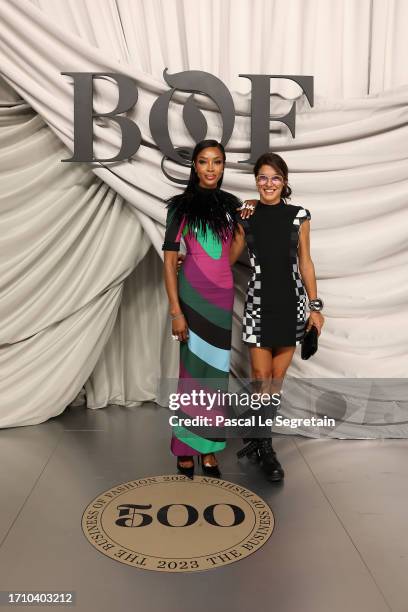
(275, 304)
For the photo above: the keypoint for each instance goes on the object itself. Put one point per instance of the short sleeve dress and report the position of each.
(206, 295)
(275, 305)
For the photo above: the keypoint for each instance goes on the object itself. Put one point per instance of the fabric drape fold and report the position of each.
(80, 271)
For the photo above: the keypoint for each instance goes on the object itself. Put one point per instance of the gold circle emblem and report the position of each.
(174, 524)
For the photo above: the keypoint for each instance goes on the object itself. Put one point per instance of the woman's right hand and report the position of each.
(179, 328)
(180, 261)
(248, 208)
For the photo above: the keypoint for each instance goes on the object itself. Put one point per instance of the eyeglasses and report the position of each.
(262, 179)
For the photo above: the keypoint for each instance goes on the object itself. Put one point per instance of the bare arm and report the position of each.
(179, 325)
(237, 244)
(306, 266)
(307, 272)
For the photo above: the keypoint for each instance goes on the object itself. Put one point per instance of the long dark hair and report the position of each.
(215, 210)
(277, 163)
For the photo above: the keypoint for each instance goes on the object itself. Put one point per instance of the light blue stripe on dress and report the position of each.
(216, 357)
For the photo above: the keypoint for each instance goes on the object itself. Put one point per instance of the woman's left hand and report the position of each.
(316, 319)
(248, 208)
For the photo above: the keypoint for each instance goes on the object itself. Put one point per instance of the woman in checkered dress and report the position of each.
(274, 322)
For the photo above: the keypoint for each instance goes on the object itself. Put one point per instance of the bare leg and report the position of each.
(262, 367)
(281, 360)
(269, 367)
(261, 362)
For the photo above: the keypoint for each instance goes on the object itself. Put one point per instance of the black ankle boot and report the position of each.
(250, 450)
(269, 461)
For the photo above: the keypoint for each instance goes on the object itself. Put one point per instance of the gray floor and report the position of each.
(340, 539)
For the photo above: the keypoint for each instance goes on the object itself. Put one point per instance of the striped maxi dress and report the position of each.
(206, 295)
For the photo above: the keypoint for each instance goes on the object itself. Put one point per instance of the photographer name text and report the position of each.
(255, 420)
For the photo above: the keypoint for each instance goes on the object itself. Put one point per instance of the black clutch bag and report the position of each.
(309, 343)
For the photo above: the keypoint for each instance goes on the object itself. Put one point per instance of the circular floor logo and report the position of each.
(174, 524)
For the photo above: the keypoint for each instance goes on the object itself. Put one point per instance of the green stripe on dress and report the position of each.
(218, 316)
(202, 445)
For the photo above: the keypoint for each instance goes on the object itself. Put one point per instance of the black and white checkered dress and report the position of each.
(275, 305)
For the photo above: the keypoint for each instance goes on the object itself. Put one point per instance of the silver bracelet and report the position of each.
(316, 305)
(177, 316)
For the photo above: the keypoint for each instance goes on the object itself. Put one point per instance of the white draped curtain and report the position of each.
(82, 301)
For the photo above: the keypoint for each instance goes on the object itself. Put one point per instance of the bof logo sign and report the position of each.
(190, 81)
(173, 524)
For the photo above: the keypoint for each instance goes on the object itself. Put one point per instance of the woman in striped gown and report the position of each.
(202, 296)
